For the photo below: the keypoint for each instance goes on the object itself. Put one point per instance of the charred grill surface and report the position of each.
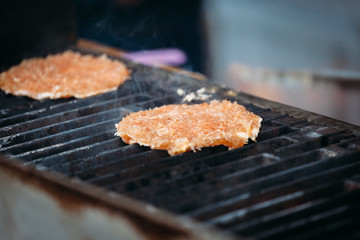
(299, 179)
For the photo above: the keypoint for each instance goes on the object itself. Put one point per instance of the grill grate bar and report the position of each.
(109, 154)
(77, 153)
(318, 225)
(112, 167)
(60, 127)
(274, 205)
(12, 105)
(69, 115)
(208, 212)
(78, 122)
(41, 110)
(131, 166)
(241, 182)
(59, 138)
(61, 147)
(221, 159)
(165, 163)
(188, 168)
(306, 211)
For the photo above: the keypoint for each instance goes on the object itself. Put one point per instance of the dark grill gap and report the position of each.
(299, 179)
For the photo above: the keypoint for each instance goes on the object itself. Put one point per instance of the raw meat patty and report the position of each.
(181, 128)
(64, 75)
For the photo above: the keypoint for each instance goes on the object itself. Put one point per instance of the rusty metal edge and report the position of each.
(73, 195)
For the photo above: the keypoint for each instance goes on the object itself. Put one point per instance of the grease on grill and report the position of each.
(201, 94)
(181, 128)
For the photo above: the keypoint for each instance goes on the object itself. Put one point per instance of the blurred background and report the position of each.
(302, 53)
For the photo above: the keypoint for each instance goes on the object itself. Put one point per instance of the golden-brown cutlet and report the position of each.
(181, 128)
(68, 74)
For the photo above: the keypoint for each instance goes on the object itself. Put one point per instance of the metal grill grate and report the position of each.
(298, 180)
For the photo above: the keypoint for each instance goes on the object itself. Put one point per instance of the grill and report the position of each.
(299, 180)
